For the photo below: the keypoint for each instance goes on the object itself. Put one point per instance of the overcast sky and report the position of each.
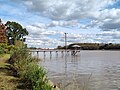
(93, 21)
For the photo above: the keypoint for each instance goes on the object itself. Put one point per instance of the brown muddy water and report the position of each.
(88, 70)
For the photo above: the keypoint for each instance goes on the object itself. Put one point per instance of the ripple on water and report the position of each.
(96, 70)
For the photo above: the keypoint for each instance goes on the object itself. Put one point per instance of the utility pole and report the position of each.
(65, 41)
(65, 57)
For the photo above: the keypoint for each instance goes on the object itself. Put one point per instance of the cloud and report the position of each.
(65, 9)
(111, 19)
(49, 33)
(39, 25)
(71, 23)
(45, 37)
(107, 20)
(42, 37)
(109, 37)
(65, 13)
(92, 24)
(110, 26)
(45, 40)
(34, 29)
(47, 20)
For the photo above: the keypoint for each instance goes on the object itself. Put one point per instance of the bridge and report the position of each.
(73, 52)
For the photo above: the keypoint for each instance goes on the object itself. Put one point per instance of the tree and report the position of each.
(15, 32)
(0, 20)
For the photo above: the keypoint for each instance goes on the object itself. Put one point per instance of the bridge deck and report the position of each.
(54, 50)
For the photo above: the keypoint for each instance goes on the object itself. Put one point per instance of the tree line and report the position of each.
(93, 46)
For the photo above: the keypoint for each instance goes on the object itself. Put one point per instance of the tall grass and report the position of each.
(74, 84)
(25, 67)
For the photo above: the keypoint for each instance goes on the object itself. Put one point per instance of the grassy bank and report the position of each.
(22, 72)
(7, 81)
(25, 67)
(3, 59)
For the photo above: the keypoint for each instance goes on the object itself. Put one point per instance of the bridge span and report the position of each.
(73, 52)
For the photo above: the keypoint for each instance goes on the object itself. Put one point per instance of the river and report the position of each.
(88, 70)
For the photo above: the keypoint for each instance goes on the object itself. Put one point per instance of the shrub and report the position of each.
(11, 49)
(26, 68)
(3, 48)
(3, 45)
(36, 75)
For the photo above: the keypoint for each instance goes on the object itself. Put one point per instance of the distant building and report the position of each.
(3, 38)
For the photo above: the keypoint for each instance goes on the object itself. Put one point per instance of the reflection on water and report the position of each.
(88, 70)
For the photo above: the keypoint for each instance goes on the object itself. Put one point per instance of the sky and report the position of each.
(47, 21)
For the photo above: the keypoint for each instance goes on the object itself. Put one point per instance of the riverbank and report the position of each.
(20, 71)
(7, 81)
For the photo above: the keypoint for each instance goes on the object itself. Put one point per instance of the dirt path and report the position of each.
(7, 82)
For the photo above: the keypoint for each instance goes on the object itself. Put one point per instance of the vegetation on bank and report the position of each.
(21, 70)
(7, 81)
(7, 49)
(31, 75)
(93, 46)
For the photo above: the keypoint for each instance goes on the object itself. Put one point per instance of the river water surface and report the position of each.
(88, 70)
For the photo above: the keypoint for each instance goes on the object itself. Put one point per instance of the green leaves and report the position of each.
(15, 32)
(3, 47)
(27, 69)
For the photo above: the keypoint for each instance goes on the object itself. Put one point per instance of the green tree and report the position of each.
(15, 32)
